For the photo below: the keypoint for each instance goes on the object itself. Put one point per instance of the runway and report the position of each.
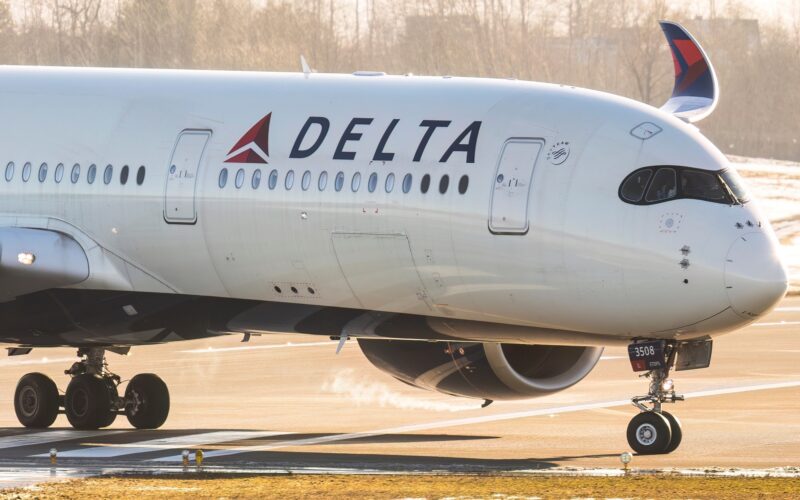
(290, 403)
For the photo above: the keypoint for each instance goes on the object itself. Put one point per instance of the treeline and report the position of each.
(612, 45)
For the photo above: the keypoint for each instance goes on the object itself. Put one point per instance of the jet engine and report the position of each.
(482, 370)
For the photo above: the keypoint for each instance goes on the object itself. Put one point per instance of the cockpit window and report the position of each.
(735, 184)
(633, 188)
(703, 186)
(666, 183)
(663, 187)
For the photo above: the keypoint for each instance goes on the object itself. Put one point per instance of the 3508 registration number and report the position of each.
(647, 355)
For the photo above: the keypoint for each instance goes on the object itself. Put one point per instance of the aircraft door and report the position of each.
(179, 196)
(508, 213)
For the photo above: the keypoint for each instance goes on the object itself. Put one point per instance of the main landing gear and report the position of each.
(91, 400)
(654, 431)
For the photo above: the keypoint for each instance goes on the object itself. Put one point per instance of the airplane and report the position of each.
(483, 238)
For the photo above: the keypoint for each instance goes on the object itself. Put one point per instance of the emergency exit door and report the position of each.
(179, 197)
(508, 213)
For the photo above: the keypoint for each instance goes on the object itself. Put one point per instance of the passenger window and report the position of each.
(373, 182)
(273, 180)
(26, 172)
(108, 174)
(703, 186)
(289, 182)
(407, 183)
(140, 175)
(75, 175)
(339, 182)
(663, 187)
(256, 179)
(42, 172)
(356, 182)
(239, 181)
(444, 183)
(306, 182)
(10, 171)
(223, 178)
(425, 184)
(59, 173)
(91, 174)
(123, 175)
(322, 182)
(463, 184)
(389, 184)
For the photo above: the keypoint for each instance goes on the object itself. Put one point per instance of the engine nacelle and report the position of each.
(482, 370)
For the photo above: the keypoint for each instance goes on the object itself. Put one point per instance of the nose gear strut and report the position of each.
(654, 431)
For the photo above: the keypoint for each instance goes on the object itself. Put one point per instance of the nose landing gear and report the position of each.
(654, 431)
(92, 400)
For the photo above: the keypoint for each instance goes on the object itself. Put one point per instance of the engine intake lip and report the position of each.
(557, 367)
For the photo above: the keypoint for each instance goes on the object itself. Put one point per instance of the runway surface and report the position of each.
(289, 402)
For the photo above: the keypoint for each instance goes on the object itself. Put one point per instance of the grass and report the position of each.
(350, 487)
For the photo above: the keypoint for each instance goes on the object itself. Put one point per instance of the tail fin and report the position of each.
(696, 92)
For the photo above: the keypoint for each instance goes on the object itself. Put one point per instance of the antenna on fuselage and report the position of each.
(305, 66)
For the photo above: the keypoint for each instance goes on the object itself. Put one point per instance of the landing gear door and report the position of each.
(179, 197)
(508, 213)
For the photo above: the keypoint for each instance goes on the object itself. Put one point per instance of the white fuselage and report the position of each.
(585, 261)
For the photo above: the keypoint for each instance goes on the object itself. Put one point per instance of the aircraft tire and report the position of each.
(677, 432)
(649, 433)
(114, 395)
(146, 401)
(36, 401)
(88, 402)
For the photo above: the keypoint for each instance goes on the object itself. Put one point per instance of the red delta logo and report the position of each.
(253, 147)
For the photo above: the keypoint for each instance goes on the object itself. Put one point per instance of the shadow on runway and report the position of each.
(134, 435)
(113, 447)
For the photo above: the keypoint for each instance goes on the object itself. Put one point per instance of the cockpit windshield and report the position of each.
(702, 185)
(650, 185)
(735, 183)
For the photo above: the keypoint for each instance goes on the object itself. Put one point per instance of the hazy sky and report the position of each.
(784, 10)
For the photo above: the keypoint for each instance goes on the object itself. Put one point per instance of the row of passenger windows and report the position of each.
(339, 181)
(658, 184)
(75, 173)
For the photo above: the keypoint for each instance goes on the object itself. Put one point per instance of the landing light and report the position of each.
(26, 258)
(667, 385)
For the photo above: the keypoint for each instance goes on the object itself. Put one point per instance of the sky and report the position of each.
(767, 10)
(786, 12)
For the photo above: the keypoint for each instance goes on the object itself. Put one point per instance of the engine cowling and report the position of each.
(482, 370)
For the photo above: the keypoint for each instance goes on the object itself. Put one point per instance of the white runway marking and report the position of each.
(41, 361)
(205, 438)
(778, 323)
(787, 309)
(211, 350)
(45, 437)
(477, 420)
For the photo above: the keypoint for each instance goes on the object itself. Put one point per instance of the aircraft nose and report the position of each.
(755, 277)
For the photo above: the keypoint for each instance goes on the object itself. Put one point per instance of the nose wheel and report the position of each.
(654, 431)
(92, 400)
